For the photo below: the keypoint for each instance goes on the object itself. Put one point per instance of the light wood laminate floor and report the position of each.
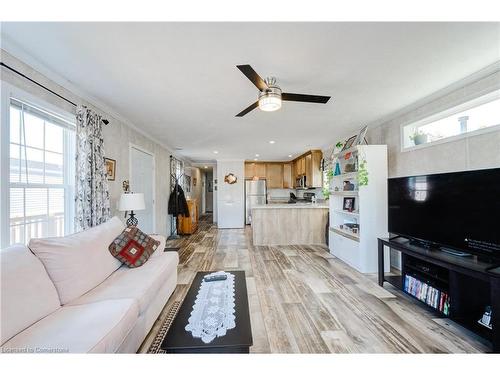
(304, 300)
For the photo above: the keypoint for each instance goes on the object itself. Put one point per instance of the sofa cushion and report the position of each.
(161, 246)
(81, 261)
(27, 293)
(133, 247)
(141, 284)
(97, 327)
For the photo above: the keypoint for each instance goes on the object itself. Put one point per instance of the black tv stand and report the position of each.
(456, 253)
(468, 283)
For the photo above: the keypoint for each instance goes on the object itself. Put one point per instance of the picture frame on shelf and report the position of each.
(360, 138)
(348, 204)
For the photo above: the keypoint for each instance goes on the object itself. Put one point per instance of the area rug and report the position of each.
(155, 345)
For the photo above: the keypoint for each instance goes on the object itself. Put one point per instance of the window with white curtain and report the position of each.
(41, 173)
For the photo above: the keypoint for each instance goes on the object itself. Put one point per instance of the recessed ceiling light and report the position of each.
(216, 152)
(257, 155)
(205, 167)
(272, 142)
(255, 159)
(289, 156)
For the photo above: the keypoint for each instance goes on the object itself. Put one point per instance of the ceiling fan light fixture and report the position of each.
(270, 99)
(269, 103)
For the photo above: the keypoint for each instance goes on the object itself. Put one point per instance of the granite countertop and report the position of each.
(292, 205)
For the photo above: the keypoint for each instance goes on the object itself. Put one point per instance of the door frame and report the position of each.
(139, 148)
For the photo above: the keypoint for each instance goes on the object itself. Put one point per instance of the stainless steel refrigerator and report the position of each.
(255, 193)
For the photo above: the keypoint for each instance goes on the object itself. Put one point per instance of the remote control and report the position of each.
(214, 278)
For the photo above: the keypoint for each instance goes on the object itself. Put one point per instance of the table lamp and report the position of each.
(131, 202)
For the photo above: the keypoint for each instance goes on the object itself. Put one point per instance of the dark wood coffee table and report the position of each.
(236, 340)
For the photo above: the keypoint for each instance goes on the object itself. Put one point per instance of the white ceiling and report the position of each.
(179, 82)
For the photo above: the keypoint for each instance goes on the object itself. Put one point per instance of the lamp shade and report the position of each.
(131, 202)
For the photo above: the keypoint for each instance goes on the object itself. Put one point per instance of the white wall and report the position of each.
(230, 198)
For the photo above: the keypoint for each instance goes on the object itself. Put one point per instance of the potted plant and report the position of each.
(418, 137)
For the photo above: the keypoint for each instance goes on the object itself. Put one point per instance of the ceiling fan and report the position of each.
(270, 95)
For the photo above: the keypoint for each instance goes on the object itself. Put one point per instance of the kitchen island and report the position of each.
(289, 224)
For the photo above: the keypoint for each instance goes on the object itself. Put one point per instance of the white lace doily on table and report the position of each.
(213, 309)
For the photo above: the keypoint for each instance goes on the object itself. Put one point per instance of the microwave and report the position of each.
(300, 182)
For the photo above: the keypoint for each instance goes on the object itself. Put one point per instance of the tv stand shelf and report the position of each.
(469, 283)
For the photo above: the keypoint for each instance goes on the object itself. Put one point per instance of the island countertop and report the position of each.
(289, 224)
(291, 205)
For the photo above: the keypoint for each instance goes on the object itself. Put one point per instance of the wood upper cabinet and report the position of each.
(314, 175)
(260, 170)
(288, 178)
(249, 170)
(274, 175)
(281, 175)
(301, 169)
(308, 169)
(255, 170)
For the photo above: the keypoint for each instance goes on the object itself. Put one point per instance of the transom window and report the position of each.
(474, 116)
(41, 173)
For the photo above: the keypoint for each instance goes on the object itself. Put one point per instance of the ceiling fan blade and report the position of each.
(252, 75)
(251, 107)
(305, 98)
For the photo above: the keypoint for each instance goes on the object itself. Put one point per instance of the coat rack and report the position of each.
(176, 177)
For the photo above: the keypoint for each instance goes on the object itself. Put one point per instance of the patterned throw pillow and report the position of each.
(133, 247)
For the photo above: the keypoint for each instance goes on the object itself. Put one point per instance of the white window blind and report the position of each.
(41, 182)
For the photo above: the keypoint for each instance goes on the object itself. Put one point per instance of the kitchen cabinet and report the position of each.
(282, 175)
(249, 170)
(274, 175)
(288, 179)
(301, 170)
(315, 173)
(308, 169)
(260, 170)
(255, 170)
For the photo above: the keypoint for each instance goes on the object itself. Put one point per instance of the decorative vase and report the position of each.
(337, 169)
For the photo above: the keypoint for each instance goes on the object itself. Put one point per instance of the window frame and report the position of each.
(469, 104)
(9, 92)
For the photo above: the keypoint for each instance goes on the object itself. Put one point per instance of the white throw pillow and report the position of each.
(27, 293)
(81, 261)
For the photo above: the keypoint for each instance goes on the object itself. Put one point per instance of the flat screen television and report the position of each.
(459, 210)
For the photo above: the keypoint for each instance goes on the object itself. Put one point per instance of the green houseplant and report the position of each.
(419, 137)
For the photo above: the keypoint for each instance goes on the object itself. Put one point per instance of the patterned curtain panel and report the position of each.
(91, 190)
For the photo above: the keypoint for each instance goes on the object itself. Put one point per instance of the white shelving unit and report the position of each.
(359, 250)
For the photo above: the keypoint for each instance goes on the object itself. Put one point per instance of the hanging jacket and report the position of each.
(177, 204)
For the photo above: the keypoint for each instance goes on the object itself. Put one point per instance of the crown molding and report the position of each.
(19, 53)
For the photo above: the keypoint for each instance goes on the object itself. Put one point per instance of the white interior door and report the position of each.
(142, 181)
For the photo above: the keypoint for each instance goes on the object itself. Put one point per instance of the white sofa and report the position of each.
(69, 294)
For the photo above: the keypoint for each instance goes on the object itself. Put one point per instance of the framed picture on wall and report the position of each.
(110, 165)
